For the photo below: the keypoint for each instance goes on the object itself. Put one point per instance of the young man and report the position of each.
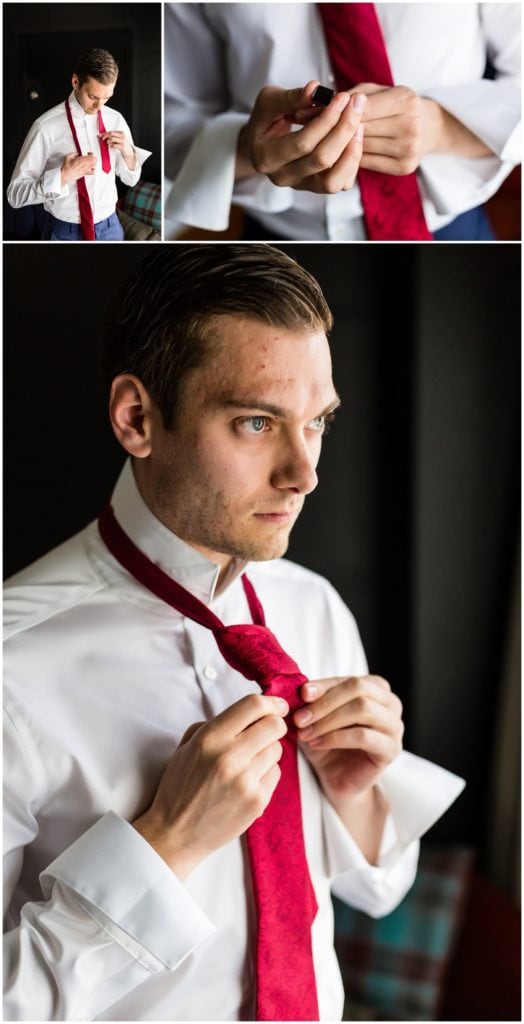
(143, 767)
(72, 154)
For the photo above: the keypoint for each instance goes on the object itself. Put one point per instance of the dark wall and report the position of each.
(415, 520)
(41, 43)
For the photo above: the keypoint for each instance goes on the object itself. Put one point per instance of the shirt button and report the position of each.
(210, 672)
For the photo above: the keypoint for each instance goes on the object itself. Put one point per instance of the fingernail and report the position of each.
(303, 716)
(312, 690)
(359, 102)
(359, 134)
(282, 704)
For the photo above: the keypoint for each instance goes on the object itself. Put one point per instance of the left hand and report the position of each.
(400, 128)
(118, 140)
(354, 731)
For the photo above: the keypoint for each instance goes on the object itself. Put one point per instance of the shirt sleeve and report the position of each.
(130, 177)
(418, 793)
(112, 912)
(36, 176)
(491, 109)
(202, 130)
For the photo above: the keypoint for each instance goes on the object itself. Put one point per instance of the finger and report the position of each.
(394, 127)
(190, 731)
(383, 164)
(342, 175)
(346, 687)
(388, 102)
(323, 140)
(258, 737)
(266, 759)
(361, 711)
(379, 747)
(268, 783)
(245, 712)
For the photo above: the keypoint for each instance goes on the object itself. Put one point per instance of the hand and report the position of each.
(401, 128)
(220, 778)
(350, 730)
(119, 140)
(75, 167)
(322, 157)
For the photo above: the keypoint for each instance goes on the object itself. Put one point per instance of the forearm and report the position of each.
(449, 135)
(243, 166)
(364, 816)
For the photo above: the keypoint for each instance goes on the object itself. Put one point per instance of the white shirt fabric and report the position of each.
(218, 57)
(36, 177)
(102, 680)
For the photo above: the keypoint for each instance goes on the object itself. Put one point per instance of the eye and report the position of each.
(253, 424)
(321, 423)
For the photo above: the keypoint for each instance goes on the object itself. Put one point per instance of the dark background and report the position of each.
(42, 42)
(416, 517)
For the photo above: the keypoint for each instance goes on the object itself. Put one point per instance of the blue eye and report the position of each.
(253, 424)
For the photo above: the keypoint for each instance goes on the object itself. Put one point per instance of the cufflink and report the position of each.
(323, 95)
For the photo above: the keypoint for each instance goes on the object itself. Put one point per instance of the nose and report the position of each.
(296, 468)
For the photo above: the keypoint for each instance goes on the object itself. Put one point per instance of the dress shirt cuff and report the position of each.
(52, 185)
(203, 191)
(491, 110)
(418, 793)
(124, 883)
(128, 176)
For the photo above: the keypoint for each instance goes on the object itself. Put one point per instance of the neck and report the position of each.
(144, 484)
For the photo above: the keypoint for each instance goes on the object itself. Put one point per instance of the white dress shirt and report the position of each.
(218, 57)
(102, 680)
(36, 177)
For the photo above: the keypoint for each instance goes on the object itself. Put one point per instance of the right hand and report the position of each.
(75, 167)
(220, 778)
(322, 157)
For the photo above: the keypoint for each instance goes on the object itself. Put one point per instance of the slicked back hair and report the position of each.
(158, 328)
(97, 64)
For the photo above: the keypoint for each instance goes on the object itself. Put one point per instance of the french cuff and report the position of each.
(128, 176)
(491, 110)
(116, 873)
(418, 793)
(204, 189)
(455, 184)
(51, 184)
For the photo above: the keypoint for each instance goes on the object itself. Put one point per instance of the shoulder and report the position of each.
(296, 586)
(58, 581)
(50, 117)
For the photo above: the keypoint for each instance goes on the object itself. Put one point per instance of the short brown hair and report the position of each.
(97, 64)
(157, 327)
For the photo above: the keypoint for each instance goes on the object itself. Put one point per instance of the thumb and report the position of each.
(273, 101)
(190, 732)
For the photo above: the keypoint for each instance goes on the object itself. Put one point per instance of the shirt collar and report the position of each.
(183, 563)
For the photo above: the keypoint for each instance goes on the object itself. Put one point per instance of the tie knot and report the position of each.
(256, 653)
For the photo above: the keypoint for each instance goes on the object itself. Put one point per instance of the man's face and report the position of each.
(92, 94)
(232, 477)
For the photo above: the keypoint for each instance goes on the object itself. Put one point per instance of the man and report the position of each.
(139, 760)
(72, 154)
(229, 122)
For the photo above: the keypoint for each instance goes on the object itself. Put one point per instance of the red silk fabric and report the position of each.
(392, 204)
(284, 897)
(87, 223)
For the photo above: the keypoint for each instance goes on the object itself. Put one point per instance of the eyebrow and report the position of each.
(273, 410)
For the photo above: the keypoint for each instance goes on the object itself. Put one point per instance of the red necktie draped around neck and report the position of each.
(87, 223)
(284, 897)
(392, 204)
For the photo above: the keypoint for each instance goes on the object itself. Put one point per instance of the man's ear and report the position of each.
(132, 412)
(74, 81)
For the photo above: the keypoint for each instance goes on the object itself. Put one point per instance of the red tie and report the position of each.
(392, 204)
(104, 147)
(284, 896)
(87, 223)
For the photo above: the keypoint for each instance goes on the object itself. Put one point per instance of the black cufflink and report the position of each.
(322, 95)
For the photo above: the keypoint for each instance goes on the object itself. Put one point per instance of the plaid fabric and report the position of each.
(393, 967)
(144, 203)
